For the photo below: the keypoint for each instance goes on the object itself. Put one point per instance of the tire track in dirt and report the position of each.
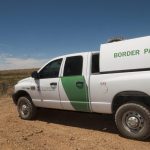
(65, 130)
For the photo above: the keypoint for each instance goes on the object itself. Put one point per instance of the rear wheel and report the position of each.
(26, 109)
(133, 120)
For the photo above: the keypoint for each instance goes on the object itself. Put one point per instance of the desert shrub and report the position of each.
(3, 87)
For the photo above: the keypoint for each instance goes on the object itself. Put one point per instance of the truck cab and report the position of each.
(63, 83)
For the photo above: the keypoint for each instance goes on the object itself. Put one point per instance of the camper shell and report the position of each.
(126, 55)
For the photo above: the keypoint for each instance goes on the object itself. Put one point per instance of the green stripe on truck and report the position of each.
(77, 94)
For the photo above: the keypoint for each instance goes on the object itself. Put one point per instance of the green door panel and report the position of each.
(77, 92)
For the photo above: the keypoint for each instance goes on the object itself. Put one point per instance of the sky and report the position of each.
(34, 31)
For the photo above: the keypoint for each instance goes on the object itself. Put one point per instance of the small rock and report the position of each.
(25, 138)
(40, 131)
(72, 138)
(17, 130)
(31, 134)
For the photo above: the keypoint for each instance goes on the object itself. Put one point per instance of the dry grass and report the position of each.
(9, 78)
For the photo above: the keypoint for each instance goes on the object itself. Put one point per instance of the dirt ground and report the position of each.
(61, 130)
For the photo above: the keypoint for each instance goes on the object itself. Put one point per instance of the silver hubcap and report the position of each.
(133, 121)
(24, 109)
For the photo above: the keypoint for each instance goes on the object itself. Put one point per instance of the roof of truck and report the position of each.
(74, 54)
(69, 55)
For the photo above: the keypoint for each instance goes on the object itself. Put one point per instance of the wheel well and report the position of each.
(128, 96)
(20, 94)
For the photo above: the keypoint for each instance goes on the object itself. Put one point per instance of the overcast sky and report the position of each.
(33, 31)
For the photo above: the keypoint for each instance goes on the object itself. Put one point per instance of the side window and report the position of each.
(95, 63)
(51, 70)
(73, 66)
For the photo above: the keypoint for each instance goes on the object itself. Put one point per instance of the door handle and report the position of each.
(53, 84)
(79, 84)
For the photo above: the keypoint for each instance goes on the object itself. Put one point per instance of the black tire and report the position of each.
(133, 120)
(26, 109)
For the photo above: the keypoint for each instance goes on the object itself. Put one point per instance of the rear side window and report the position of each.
(95, 63)
(73, 66)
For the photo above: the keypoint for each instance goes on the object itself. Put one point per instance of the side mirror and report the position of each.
(35, 75)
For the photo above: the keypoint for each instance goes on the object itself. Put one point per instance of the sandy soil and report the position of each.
(55, 130)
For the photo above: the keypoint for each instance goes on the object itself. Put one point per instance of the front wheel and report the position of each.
(133, 121)
(26, 109)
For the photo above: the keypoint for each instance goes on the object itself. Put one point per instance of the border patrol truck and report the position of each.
(115, 80)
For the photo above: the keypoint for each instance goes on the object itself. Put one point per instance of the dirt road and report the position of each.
(61, 130)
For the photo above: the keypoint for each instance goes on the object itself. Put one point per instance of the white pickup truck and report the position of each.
(115, 80)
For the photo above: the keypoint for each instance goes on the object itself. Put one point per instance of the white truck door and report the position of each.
(73, 86)
(98, 88)
(48, 84)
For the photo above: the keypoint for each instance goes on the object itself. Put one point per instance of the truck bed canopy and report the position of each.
(125, 55)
